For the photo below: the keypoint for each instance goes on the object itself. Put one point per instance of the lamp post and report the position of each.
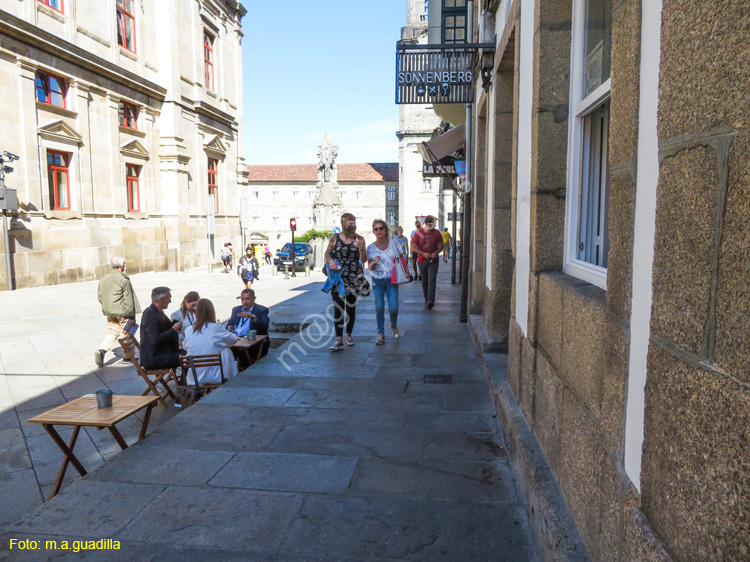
(8, 202)
(293, 227)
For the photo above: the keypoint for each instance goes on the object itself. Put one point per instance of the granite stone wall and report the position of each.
(568, 373)
(696, 455)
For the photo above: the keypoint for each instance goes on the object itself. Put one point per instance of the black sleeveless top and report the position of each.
(351, 268)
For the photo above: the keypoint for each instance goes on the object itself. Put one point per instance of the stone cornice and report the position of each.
(35, 37)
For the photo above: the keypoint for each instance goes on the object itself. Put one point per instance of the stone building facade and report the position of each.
(281, 192)
(126, 116)
(610, 255)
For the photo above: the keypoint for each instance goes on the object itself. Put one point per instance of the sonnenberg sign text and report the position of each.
(434, 76)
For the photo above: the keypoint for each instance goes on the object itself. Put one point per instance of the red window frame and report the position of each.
(124, 118)
(213, 180)
(53, 180)
(123, 16)
(45, 88)
(132, 175)
(208, 59)
(48, 3)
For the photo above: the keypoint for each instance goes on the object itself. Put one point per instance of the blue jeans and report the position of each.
(381, 288)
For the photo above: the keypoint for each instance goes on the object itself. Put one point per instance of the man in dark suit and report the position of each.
(160, 340)
(250, 316)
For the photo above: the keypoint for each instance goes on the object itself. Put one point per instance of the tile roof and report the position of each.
(347, 173)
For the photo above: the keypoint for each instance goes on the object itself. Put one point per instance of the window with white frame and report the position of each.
(587, 213)
(426, 185)
(358, 194)
(311, 194)
(275, 194)
(391, 218)
(295, 194)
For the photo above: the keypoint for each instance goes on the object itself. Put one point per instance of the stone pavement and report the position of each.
(307, 455)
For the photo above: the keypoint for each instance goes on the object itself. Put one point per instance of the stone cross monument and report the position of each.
(327, 204)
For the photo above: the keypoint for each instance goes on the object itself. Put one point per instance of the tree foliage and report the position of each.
(313, 234)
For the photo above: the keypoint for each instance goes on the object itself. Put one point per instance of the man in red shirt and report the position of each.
(427, 243)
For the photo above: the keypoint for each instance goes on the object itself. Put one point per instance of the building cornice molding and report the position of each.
(37, 38)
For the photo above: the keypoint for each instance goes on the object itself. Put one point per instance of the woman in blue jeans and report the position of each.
(380, 257)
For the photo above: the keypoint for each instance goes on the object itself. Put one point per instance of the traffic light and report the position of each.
(292, 224)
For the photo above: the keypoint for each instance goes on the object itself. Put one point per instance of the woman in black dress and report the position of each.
(347, 252)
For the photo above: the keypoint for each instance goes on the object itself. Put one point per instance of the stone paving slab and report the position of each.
(224, 517)
(408, 529)
(287, 473)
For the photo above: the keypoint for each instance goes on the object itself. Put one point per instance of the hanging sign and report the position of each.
(434, 77)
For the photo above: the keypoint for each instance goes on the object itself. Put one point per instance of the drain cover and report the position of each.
(437, 379)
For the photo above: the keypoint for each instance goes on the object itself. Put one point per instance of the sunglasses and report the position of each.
(378, 228)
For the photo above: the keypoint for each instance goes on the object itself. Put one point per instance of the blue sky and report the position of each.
(312, 67)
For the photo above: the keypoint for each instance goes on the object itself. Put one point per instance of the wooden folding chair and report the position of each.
(198, 361)
(152, 376)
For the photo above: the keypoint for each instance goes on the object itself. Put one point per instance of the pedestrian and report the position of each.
(267, 254)
(427, 243)
(160, 340)
(119, 304)
(404, 241)
(381, 255)
(345, 255)
(247, 268)
(417, 225)
(226, 257)
(446, 244)
(186, 313)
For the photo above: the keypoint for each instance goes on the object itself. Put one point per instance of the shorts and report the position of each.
(227, 261)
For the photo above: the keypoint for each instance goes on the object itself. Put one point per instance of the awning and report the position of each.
(438, 148)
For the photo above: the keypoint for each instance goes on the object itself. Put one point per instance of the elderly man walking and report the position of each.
(119, 304)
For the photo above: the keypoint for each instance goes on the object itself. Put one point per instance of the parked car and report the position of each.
(304, 256)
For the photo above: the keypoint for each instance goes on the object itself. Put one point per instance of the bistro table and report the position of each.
(83, 412)
(246, 346)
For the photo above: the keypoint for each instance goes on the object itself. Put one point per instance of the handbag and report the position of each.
(399, 275)
(186, 394)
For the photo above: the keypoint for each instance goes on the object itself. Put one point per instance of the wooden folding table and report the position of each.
(246, 345)
(84, 412)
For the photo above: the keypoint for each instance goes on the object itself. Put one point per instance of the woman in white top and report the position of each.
(186, 313)
(206, 337)
(380, 257)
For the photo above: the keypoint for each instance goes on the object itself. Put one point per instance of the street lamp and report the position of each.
(8, 202)
(293, 228)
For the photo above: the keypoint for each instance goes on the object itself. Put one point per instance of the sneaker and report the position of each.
(336, 346)
(349, 340)
(419, 277)
(99, 358)
(430, 304)
(396, 333)
(380, 340)
(126, 359)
